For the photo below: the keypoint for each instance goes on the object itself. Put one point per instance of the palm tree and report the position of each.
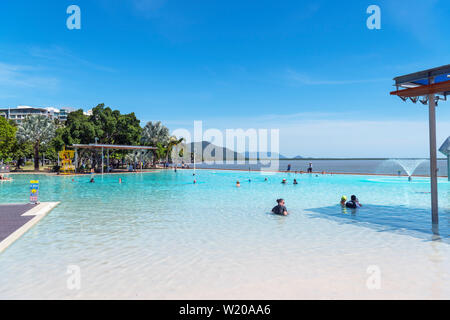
(38, 130)
(154, 133)
(160, 152)
(173, 142)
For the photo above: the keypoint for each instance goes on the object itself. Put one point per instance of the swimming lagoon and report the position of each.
(159, 236)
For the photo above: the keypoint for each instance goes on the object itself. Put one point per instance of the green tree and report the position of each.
(128, 130)
(173, 143)
(38, 130)
(78, 129)
(160, 151)
(154, 133)
(7, 139)
(21, 150)
(105, 123)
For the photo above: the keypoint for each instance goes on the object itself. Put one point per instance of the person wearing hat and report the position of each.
(284, 181)
(343, 201)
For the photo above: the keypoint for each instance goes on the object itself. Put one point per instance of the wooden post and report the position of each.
(433, 156)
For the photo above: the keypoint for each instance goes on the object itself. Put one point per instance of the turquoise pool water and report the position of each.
(157, 235)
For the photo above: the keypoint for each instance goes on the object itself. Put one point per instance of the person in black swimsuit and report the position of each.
(280, 209)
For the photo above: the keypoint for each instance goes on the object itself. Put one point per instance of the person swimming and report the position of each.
(238, 184)
(295, 181)
(92, 180)
(280, 209)
(284, 181)
(343, 201)
(265, 179)
(353, 203)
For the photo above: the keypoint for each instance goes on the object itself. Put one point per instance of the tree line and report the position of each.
(39, 136)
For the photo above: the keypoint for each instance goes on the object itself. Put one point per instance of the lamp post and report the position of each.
(433, 155)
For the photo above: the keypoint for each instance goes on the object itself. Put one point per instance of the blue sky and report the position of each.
(310, 68)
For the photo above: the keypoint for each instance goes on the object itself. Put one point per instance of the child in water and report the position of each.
(343, 201)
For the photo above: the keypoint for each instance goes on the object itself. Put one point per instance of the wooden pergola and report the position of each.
(107, 147)
(428, 87)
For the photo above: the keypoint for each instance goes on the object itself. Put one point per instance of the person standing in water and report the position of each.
(310, 168)
(343, 201)
(280, 209)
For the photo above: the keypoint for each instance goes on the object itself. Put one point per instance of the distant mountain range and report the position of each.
(206, 148)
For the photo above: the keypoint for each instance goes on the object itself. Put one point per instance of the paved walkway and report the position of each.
(16, 219)
(11, 218)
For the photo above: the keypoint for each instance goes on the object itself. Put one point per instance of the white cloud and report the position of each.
(23, 76)
(303, 79)
(62, 56)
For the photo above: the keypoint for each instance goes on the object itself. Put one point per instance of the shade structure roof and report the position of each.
(418, 84)
(445, 148)
(111, 146)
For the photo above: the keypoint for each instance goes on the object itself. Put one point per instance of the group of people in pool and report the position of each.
(352, 204)
(280, 208)
(284, 181)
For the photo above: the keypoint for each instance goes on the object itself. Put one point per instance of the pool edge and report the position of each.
(39, 212)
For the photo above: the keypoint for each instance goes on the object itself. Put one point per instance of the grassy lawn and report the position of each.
(29, 167)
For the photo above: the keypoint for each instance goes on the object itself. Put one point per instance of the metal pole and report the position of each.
(76, 160)
(433, 157)
(102, 160)
(448, 167)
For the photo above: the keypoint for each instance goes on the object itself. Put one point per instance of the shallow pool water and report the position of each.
(158, 235)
